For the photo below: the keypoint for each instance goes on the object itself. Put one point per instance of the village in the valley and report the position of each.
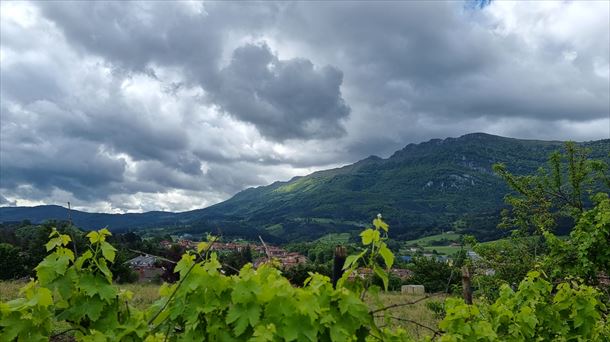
(150, 267)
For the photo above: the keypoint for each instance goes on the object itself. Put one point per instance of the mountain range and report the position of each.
(438, 185)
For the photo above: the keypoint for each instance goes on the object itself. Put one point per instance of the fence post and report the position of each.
(339, 261)
(466, 285)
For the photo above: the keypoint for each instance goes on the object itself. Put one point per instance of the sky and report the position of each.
(138, 106)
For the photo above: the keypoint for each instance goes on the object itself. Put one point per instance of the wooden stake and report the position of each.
(466, 285)
(340, 256)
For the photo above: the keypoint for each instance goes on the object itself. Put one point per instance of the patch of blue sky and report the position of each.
(477, 4)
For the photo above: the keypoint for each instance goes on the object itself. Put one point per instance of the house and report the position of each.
(166, 244)
(401, 273)
(361, 273)
(292, 259)
(146, 267)
(228, 247)
(142, 261)
(188, 244)
(285, 260)
(473, 255)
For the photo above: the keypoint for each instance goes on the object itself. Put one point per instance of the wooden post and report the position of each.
(72, 235)
(340, 255)
(466, 286)
(69, 214)
(265, 246)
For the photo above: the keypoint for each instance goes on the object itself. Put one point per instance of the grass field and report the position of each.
(335, 238)
(446, 250)
(415, 318)
(425, 241)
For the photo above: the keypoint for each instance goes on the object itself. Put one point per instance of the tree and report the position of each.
(586, 254)
(559, 191)
(510, 258)
(435, 275)
(11, 266)
(566, 188)
(235, 260)
(299, 273)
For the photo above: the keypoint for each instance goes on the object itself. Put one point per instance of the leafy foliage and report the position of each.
(435, 275)
(11, 265)
(375, 246)
(262, 305)
(298, 274)
(510, 259)
(256, 305)
(537, 311)
(28, 242)
(586, 254)
(235, 260)
(564, 191)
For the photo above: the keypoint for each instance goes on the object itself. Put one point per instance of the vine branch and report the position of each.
(397, 305)
(436, 332)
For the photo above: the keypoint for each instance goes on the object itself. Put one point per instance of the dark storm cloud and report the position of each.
(284, 99)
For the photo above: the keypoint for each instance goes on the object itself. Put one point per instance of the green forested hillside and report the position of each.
(421, 190)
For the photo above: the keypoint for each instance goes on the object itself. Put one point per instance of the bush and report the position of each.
(435, 275)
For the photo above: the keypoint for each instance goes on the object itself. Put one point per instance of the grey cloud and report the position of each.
(284, 99)
(70, 164)
(18, 80)
(418, 41)
(166, 177)
(113, 125)
(227, 179)
(419, 70)
(134, 34)
(5, 202)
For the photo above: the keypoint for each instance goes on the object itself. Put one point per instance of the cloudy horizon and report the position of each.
(139, 106)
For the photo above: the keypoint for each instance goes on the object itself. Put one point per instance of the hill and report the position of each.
(87, 220)
(421, 190)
